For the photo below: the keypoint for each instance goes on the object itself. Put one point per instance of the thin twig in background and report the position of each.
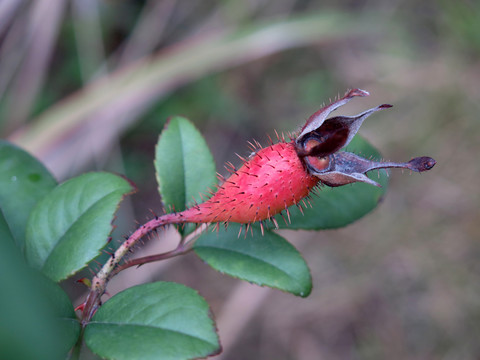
(13, 49)
(148, 32)
(44, 20)
(88, 37)
(8, 8)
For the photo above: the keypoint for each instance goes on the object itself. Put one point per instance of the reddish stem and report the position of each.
(180, 250)
(99, 282)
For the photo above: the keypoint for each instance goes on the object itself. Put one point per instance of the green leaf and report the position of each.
(23, 181)
(153, 321)
(184, 164)
(62, 312)
(338, 207)
(70, 226)
(266, 259)
(37, 321)
(5, 232)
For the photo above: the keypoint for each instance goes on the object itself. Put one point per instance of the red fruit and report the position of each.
(271, 181)
(282, 174)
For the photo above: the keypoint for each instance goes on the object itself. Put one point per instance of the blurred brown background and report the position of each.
(88, 84)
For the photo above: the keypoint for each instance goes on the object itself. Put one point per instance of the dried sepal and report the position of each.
(320, 140)
(334, 134)
(317, 119)
(346, 168)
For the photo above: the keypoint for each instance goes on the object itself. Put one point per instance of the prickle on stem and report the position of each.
(282, 174)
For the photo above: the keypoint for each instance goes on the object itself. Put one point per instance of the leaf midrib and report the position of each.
(251, 257)
(62, 237)
(113, 323)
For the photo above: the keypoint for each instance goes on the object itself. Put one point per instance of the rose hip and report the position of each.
(282, 174)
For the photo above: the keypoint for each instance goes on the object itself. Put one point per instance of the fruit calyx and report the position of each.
(321, 139)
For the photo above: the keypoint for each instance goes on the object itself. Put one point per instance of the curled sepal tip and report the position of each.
(333, 134)
(345, 168)
(317, 119)
(420, 164)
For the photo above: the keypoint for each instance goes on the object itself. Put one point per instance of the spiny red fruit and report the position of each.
(282, 174)
(271, 181)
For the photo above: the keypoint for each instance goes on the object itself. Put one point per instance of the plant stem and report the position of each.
(111, 267)
(180, 250)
